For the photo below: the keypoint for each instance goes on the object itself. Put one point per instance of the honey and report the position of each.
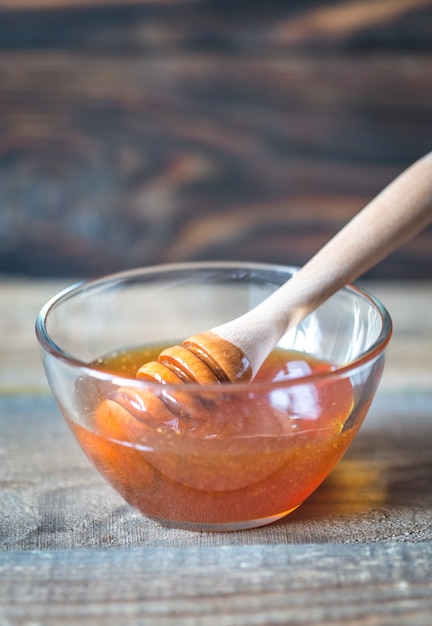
(217, 460)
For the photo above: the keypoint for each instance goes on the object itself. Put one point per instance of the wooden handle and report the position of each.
(235, 351)
(393, 217)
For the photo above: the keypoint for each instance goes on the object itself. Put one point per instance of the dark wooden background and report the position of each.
(134, 133)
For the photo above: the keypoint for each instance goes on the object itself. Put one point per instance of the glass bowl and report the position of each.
(222, 456)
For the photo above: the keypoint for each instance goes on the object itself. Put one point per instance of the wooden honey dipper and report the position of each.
(234, 351)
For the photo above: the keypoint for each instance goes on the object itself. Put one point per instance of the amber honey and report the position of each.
(224, 459)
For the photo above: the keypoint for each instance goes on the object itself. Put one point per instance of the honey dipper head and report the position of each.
(205, 358)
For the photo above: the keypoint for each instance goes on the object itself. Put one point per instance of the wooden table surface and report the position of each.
(134, 132)
(358, 552)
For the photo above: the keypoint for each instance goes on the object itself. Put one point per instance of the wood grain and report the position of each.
(357, 552)
(409, 355)
(152, 132)
(52, 498)
(226, 27)
(245, 586)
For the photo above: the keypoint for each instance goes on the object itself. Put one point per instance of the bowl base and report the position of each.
(220, 527)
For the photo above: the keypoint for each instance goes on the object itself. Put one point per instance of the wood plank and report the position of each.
(65, 4)
(109, 163)
(409, 355)
(409, 360)
(199, 130)
(52, 498)
(357, 585)
(358, 552)
(21, 369)
(227, 27)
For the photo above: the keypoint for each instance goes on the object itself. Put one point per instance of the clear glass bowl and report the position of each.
(216, 457)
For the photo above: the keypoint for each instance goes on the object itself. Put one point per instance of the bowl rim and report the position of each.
(47, 344)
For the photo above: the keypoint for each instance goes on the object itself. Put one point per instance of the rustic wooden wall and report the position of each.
(151, 131)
